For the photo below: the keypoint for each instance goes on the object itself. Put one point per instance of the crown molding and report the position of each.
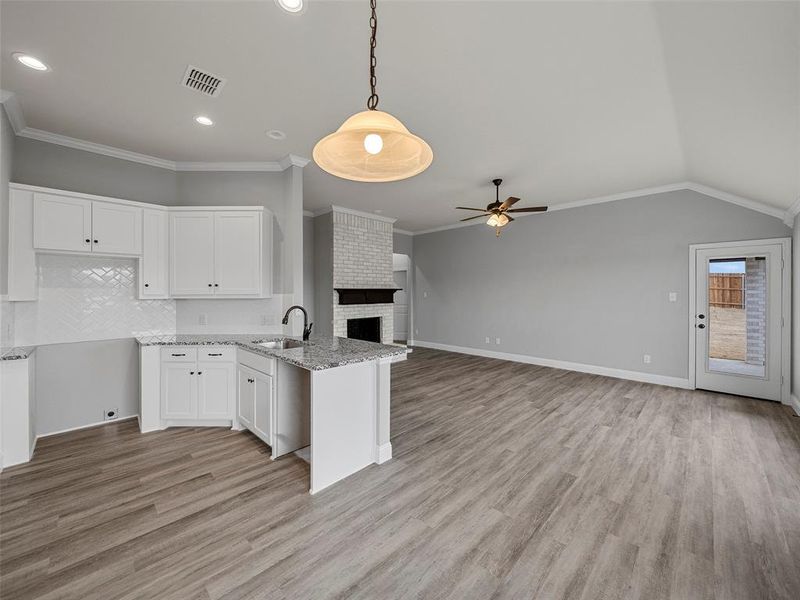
(13, 108)
(403, 231)
(292, 160)
(75, 143)
(308, 213)
(352, 211)
(14, 111)
(791, 213)
(672, 187)
(263, 167)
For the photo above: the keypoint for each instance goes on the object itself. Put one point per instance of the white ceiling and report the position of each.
(564, 100)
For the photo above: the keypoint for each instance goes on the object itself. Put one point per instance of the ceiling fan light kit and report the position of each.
(498, 211)
(373, 146)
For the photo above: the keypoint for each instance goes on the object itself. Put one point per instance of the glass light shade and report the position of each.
(497, 220)
(344, 153)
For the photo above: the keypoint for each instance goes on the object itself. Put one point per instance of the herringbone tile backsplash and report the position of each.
(89, 298)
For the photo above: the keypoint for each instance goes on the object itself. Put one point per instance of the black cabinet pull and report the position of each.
(146, 285)
(95, 241)
(191, 372)
(215, 354)
(199, 372)
(216, 285)
(209, 285)
(178, 355)
(88, 240)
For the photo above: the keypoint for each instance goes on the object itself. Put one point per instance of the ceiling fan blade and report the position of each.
(475, 217)
(468, 208)
(510, 201)
(529, 209)
(509, 217)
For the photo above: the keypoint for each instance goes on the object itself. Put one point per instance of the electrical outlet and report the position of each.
(109, 414)
(202, 319)
(647, 359)
(487, 340)
(673, 296)
(497, 341)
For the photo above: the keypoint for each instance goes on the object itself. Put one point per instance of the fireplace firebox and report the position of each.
(368, 329)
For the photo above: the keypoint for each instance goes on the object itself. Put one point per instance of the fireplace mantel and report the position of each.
(366, 295)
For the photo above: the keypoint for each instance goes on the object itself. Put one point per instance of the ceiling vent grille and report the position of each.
(203, 81)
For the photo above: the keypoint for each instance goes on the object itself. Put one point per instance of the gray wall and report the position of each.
(50, 165)
(308, 267)
(796, 309)
(323, 273)
(587, 285)
(403, 244)
(7, 149)
(70, 377)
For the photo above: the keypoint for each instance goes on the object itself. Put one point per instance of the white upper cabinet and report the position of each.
(116, 228)
(69, 224)
(62, 223)
(154, 265)
(237, 253)
(217, 253)
(191, 243)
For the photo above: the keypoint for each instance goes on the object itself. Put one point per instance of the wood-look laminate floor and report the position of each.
(508, 481)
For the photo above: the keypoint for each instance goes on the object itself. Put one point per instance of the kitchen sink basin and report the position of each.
(281, 344)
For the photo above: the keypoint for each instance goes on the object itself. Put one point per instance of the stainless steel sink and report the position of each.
(281, 344)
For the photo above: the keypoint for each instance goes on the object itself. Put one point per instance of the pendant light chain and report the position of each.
(372, 101)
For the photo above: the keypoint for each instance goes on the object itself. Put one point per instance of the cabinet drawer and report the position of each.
(179, 353)
(217, 353)
(255, 361)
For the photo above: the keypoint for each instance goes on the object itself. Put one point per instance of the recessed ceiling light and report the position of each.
(292, 6)
(202, 120)
(276, 134)
(30, 61)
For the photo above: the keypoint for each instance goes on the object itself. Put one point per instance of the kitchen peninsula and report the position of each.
(329, 393)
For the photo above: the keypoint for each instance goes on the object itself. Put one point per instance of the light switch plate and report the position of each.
(202, 319)
(673, 296)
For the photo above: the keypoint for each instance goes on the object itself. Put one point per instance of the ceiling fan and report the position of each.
(498, 212)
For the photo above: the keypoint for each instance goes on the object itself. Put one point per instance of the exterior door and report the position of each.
(738, 320)
(192, 253)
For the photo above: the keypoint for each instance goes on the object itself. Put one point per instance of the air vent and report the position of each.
(203, 81)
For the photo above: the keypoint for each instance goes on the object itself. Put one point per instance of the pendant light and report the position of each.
(373, 145)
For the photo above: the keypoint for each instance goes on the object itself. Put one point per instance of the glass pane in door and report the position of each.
(737, 316)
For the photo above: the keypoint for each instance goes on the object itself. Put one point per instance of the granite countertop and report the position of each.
(316, 354)
(16, 353)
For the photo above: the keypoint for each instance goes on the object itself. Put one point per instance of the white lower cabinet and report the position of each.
(197, 389)
(255, 406)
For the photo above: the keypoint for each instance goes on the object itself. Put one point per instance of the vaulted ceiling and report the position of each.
(564, 100)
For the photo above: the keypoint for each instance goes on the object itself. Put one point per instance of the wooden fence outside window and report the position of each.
(726, 290)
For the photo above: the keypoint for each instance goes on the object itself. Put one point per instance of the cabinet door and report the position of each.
(216, 390)
(237, 253)
(246, 397)
(153, 265)
(191, 241)
(62, 223)
(116, 228)
(262, 421)
(179, 390)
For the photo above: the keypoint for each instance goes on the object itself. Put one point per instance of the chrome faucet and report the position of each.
(306, 325)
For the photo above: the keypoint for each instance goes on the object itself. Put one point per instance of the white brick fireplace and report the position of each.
(362, 258)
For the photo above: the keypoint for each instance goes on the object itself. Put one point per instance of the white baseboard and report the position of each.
(383, 453)
(794, 402)
(97, 424)
(677, 382)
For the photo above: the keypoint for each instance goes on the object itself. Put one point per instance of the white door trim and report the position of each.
(786, 306)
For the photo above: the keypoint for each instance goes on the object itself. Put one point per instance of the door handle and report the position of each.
(701, 326)
(701, 316)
